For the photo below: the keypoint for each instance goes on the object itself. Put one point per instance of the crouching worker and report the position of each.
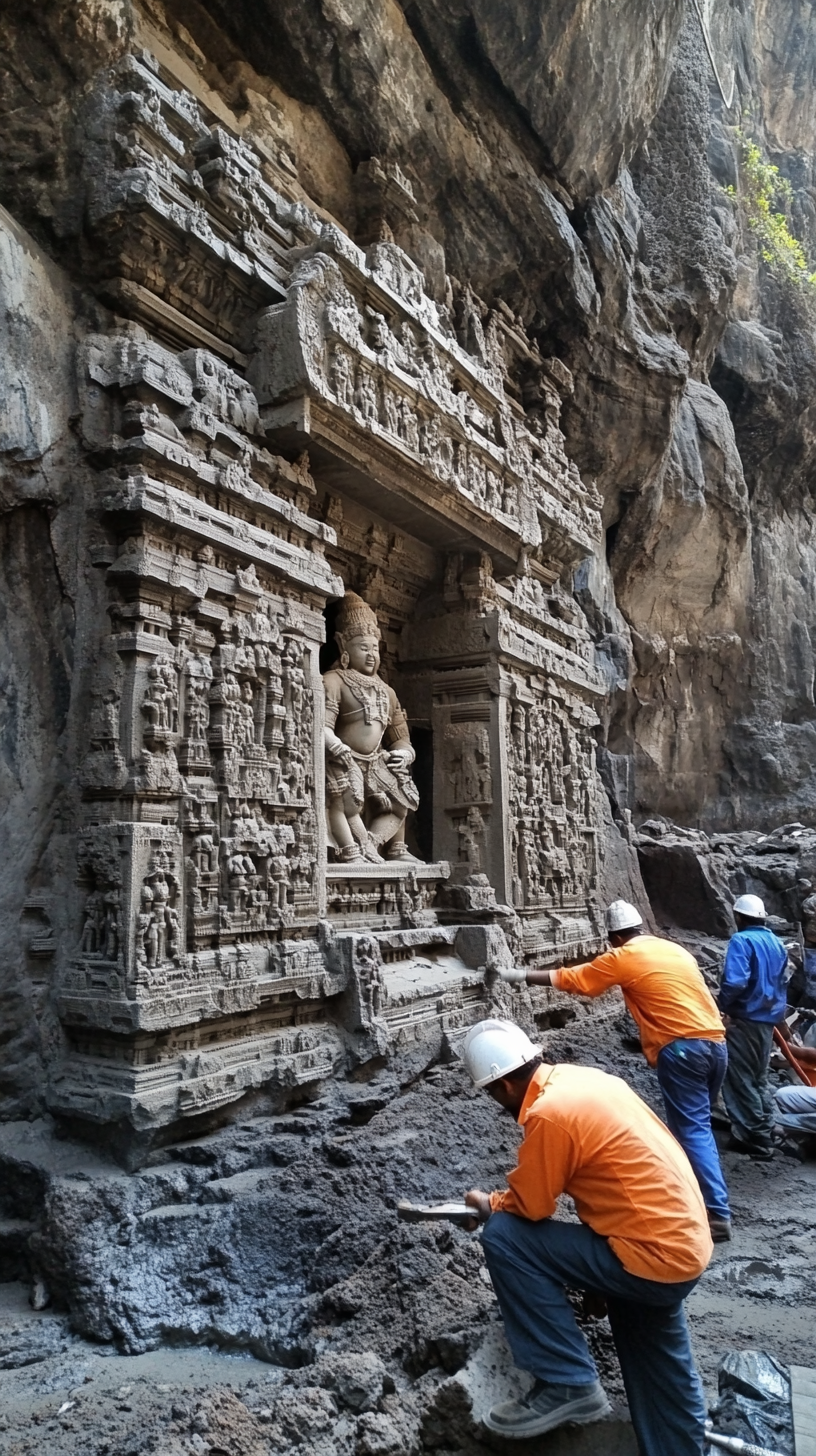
(641, 1245)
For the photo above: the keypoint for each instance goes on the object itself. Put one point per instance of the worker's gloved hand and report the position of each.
(514, 974)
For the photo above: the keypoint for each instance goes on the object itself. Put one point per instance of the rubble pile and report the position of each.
(692, 878)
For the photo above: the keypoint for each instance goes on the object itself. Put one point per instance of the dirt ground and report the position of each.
(399, 1323)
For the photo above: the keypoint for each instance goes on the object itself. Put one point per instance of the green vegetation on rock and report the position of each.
(764, 196)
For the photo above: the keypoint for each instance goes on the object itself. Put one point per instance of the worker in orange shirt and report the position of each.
(681, 1032)
(641, 1245)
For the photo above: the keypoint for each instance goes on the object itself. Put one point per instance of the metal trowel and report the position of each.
(459, 1213)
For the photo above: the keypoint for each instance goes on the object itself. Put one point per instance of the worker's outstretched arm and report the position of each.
(590, 979)
(520, 975)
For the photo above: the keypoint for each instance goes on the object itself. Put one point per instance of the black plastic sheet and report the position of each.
(755, 1400)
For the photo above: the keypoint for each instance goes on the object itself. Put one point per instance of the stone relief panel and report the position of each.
(398, 372)
(551, 804)
(205, 746)
(468, 760)
(131, 908)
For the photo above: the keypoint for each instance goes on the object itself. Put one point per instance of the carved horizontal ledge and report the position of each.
(565, 538)
(102, 1091)
(368, 282)
(154, 135)
(466, 1003)
(214, 999)
(456, 642)
(234, 483)
(370, 469)
(141, 195)
(394, 870)
(518, 644)
(141, 495)
(177, 328)
(570, 933)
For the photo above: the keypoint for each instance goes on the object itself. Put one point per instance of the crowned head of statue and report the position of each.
(358, 635)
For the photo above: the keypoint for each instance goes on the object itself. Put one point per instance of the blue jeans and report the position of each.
(691, 1073)
(530, 1263)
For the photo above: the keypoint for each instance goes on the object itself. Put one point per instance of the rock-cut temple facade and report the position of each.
(337, 759)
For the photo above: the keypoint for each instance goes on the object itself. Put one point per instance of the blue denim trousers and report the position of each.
(691, 1073)
(531, 1263)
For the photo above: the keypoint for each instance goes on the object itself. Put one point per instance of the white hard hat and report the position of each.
(495, 1048)
(750, 906)
(622, 916)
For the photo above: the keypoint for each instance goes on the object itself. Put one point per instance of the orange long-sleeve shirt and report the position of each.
(589, 1135)
(662, 986)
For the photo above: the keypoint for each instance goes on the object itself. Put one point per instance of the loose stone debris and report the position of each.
(278, 1238)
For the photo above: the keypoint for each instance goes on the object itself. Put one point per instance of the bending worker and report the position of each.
(753, 998)
(681, 1032)
(641, 1245)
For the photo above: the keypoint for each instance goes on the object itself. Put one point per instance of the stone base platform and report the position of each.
(387, 895)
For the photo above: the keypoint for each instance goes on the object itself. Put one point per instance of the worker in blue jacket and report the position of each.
(752, 1000)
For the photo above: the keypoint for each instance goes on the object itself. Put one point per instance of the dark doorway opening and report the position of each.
(419, 832)
(330, 652)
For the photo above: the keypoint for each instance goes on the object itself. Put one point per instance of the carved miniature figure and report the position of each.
(365, 396)
(246, 729)
(368, 750)
(341, 377)
(89, 943)
(390, 414)
(409, 426)
(247, 577)
(198, 711)
(295, 678)
(370, 976)
(112, 926)
(381, 340)
(470, 831)
(173, 933)
(194, 896)
(279, 882)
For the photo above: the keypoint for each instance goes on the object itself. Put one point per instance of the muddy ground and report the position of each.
(379, 1338)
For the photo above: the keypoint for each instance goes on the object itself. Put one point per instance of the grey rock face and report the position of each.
(38, 599)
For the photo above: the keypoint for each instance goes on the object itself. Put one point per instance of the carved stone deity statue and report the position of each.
(368, 750)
